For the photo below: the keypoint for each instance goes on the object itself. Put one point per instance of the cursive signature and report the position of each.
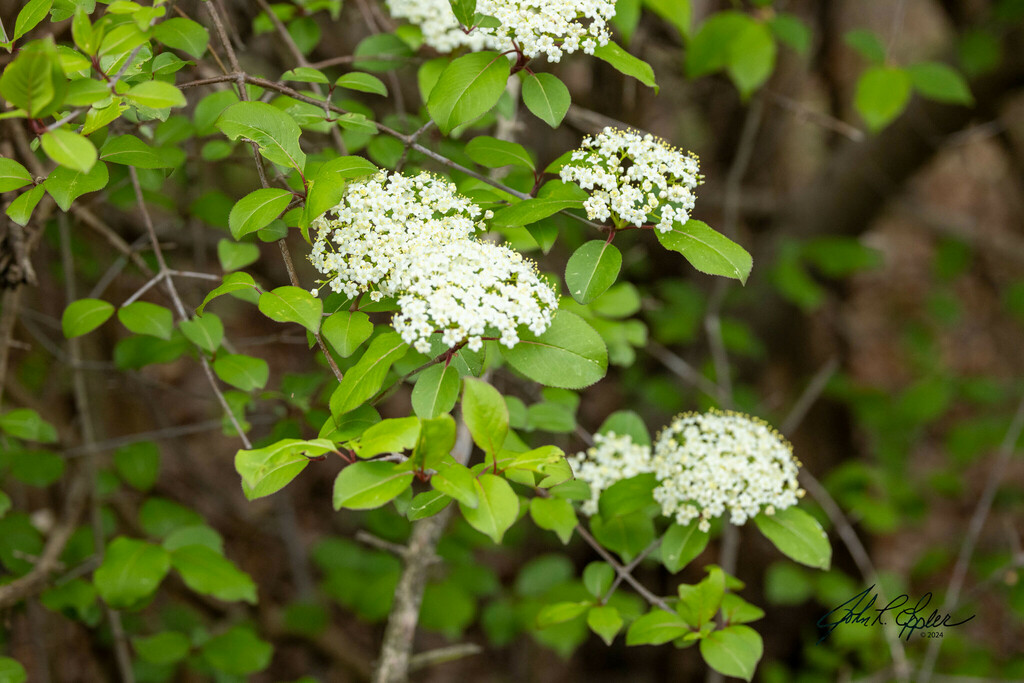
(860, 609)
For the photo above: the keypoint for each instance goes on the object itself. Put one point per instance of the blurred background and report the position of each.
(881, 331)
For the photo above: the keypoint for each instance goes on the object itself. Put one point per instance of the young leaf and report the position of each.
(128, 150)
(547, 97)
(138, 464)
(792, 31)
(457, 481)
(274, 131)
(131, 571)
(20, 210)
(597, 578)
(707, 250)
(183, 34)
(292, 305)
(155, 95)
(268, 470)
(605, 622)
(486, 415)
(940, 82)
(29, 17)
(554, 514)
(530, 211)
(867, 44)
(569, 354)
(436, 391)
(234, 282)
(163, 648)
(13, 175)
(467, 89)
(207, 572)
(70, 149)
(698, 604)
(235, 255)
(84, 316)
(345, 331)
(35, 81)
(497, 508)
(27, 425)
(66, 185)
(242, 372)
(395, 434)
(625, 63)
(592, 269)
(681, 545)
(365, 377)
(238, 652)
(465, 11)
(656, 628)
(882, 94)
(560, 612)
(367, 485)
(363, 83)
(143, 317)
(798, 535)
(751, 58)
(495, 153)
(733, 651)
(257, 210)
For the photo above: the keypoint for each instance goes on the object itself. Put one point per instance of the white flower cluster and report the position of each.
(635, 178)
(549, 27)
(612, 458)
(412, 238)
(706, 465)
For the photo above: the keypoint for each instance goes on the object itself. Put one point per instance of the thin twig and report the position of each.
(424, 660)
(809, 396)
(628, 569)
(621, 571)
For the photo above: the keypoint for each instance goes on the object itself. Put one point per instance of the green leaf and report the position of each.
(84, 316)
(733, 651)
(592, 269)
(465, 11)
(627, 64)
(70, 149)
(128, 150)
(427, 504)
(13, 175)
(392, 435)
(35, 81)
(546, 97)
(131, 571)
(435, 443)
(155, 95)
(656, 628)
(257, 210)
(791, 30)
(163, 648)
(626, 423)
(292, 305)
(751, 58)
(205, 331)
(698, 604)
(457, 481)
(66, 185)
(530, 211)
(363, 83)
(365, 377)
(345, 331)
(882, 94)
(207, 572)
(940, 82)
(676, 12)
(436, 391)
(605, 622)
(275, 132)
(598, 578)
(5, 504)
(798, 535)
(628, 495)
(867, 44)
(485, 414)
(11, 671)
(367, 485)
(36, 468)
(242, 372)
(707, 250)
(234, 282)
(238, 652)
(627, 534)
(381, 45)
(235, 255)
(554, 514)
(143, 317)
(495, 153)
(138, 464)
(183, 34)
(467, 89)
(497, 508)
(736, 610)
(29, 17)
(560, 612)
(681, 545)
(569, 354)
(20, 210)
(268, 470)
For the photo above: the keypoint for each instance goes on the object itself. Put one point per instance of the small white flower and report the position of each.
(632, 177)
(549, 27)
(706, 465)
(413, 239)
